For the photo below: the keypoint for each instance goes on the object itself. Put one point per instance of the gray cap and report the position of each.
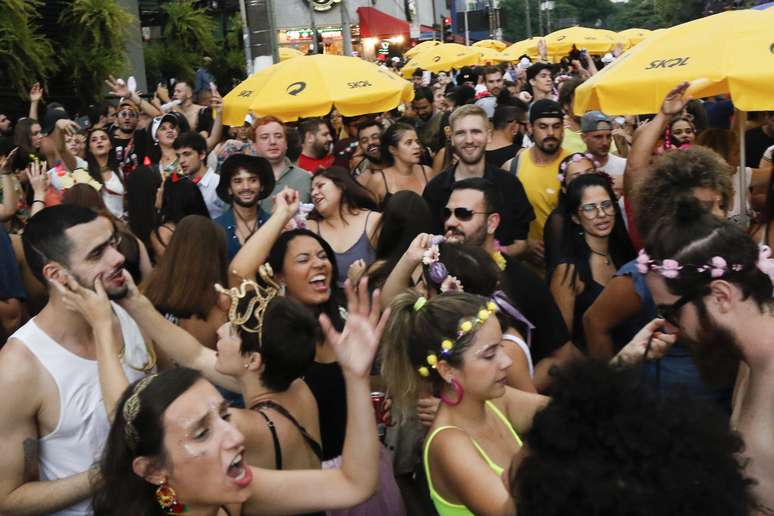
(595, 121)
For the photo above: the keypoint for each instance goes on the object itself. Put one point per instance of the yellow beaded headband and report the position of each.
(257, 305)
(466, 326)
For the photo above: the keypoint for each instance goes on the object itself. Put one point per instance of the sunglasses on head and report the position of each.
(462, 214)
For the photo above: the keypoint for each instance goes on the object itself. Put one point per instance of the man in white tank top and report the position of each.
(54, 422)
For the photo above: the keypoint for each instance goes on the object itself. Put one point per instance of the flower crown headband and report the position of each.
(466, 326)
(575, 158)
(717, 266)
(438, 272)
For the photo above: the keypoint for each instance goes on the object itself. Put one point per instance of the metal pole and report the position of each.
(528, 17)
(315, 46)
(346, 29)
(467, 32)
(741, 116)
(541, 32)
(246, 38)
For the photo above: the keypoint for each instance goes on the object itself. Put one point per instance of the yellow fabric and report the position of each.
(421, 47)
(286, 53)
(572, 141)
(632, 37)
(443, 58)
(520, 48)
(542, 187)
(560, 42)
(729, 52)
(310, 86)
(490, 55)
(443, 507)
(494, 44)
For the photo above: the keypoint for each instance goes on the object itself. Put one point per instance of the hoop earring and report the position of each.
(167, 498)
(457, 390)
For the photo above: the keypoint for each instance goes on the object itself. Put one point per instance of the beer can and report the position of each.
(377, 399)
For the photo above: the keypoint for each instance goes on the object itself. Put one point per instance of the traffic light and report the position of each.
(448, 37)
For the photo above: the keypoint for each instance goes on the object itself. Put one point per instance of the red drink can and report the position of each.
(377, 399)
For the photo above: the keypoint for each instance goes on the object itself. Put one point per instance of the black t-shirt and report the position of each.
(756, 142)
(132, 149)
(499, 156)
(533, 299)
(515, 214)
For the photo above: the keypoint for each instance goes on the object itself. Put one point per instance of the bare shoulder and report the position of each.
(20, 372)
(521, 407)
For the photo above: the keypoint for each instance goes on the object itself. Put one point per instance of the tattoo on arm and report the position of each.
(31, 449)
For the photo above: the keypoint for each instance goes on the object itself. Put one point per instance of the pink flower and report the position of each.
(670, 269)
(719, 266)
(431, 255)
(451, 284)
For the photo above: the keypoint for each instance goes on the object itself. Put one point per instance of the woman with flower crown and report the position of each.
(454, 341)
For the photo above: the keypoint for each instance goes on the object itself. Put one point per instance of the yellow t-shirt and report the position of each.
(542, 187)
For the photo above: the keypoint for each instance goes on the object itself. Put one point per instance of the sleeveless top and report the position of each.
(268, 404)
(80, 434)
(387, 191)
(360, 250)
(443, 507)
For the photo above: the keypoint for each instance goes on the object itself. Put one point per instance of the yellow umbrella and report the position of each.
(310, 86)
(494, 44)
(631, 37)
(560, 43)
(286, 53)
(723, 53)
(421, 47)
(490, 55)
(515, 51)
(443, 58)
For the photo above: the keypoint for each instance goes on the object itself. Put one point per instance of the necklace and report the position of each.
(606, 256)
(247, 226)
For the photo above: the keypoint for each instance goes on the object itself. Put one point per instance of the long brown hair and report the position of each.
(183, 282)
(354, 196)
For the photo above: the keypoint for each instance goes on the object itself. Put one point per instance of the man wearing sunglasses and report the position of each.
(472, 217)
(470, 133)
(713, 283)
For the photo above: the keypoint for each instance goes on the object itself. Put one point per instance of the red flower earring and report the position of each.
(167, 499)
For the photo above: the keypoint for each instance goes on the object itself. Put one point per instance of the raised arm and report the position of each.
(253, 254)
(217, 124)
(400, 277)
(119, 88)
(36, 94)
(300, 491)
(647, 136)
(172, 340)
(21, 490)
(10, 196)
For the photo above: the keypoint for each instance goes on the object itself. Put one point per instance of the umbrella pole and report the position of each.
(741, 118)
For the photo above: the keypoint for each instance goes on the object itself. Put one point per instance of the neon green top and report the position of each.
(443, 507)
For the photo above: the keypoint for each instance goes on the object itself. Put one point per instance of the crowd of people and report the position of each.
(480, 302)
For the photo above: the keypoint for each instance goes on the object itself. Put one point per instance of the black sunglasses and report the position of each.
(462, 214)
(671, 313)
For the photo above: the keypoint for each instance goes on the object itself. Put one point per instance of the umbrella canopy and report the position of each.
(515, 51)
(490, 55)
(631, 37)
(560, 43)
(286, 53)
(494, 44)
(730, 52)
(310, 86)
(443, 58)
(421, 47)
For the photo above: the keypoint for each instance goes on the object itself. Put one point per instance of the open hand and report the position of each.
(676, 100)
(36, 92)
(67, 126)
(37, 175)
(118, 87)
(356, 345)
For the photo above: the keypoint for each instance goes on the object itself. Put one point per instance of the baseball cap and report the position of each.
(176, 119)
(545, 108)
(595, 121)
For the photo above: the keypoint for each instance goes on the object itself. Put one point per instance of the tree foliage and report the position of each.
(25, 54)
(95, 47)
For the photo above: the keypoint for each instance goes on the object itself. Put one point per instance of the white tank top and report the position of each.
(81, 432)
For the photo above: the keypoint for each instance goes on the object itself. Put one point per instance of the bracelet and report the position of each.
(38, 200)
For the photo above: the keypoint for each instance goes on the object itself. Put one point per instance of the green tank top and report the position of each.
(443, 507)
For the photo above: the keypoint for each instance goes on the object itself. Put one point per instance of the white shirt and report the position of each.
(207, 186)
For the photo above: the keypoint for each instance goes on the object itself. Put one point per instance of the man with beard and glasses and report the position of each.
(316, 140)
(713, 283)
(538, 169)
(472, 216)
(244, 181)
(369, 141)
(52, 436)
(470, 133)
(271, 142)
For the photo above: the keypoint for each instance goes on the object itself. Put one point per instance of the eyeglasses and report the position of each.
(671, 313)
(127, 114)
(590, 210)
(462, 214)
